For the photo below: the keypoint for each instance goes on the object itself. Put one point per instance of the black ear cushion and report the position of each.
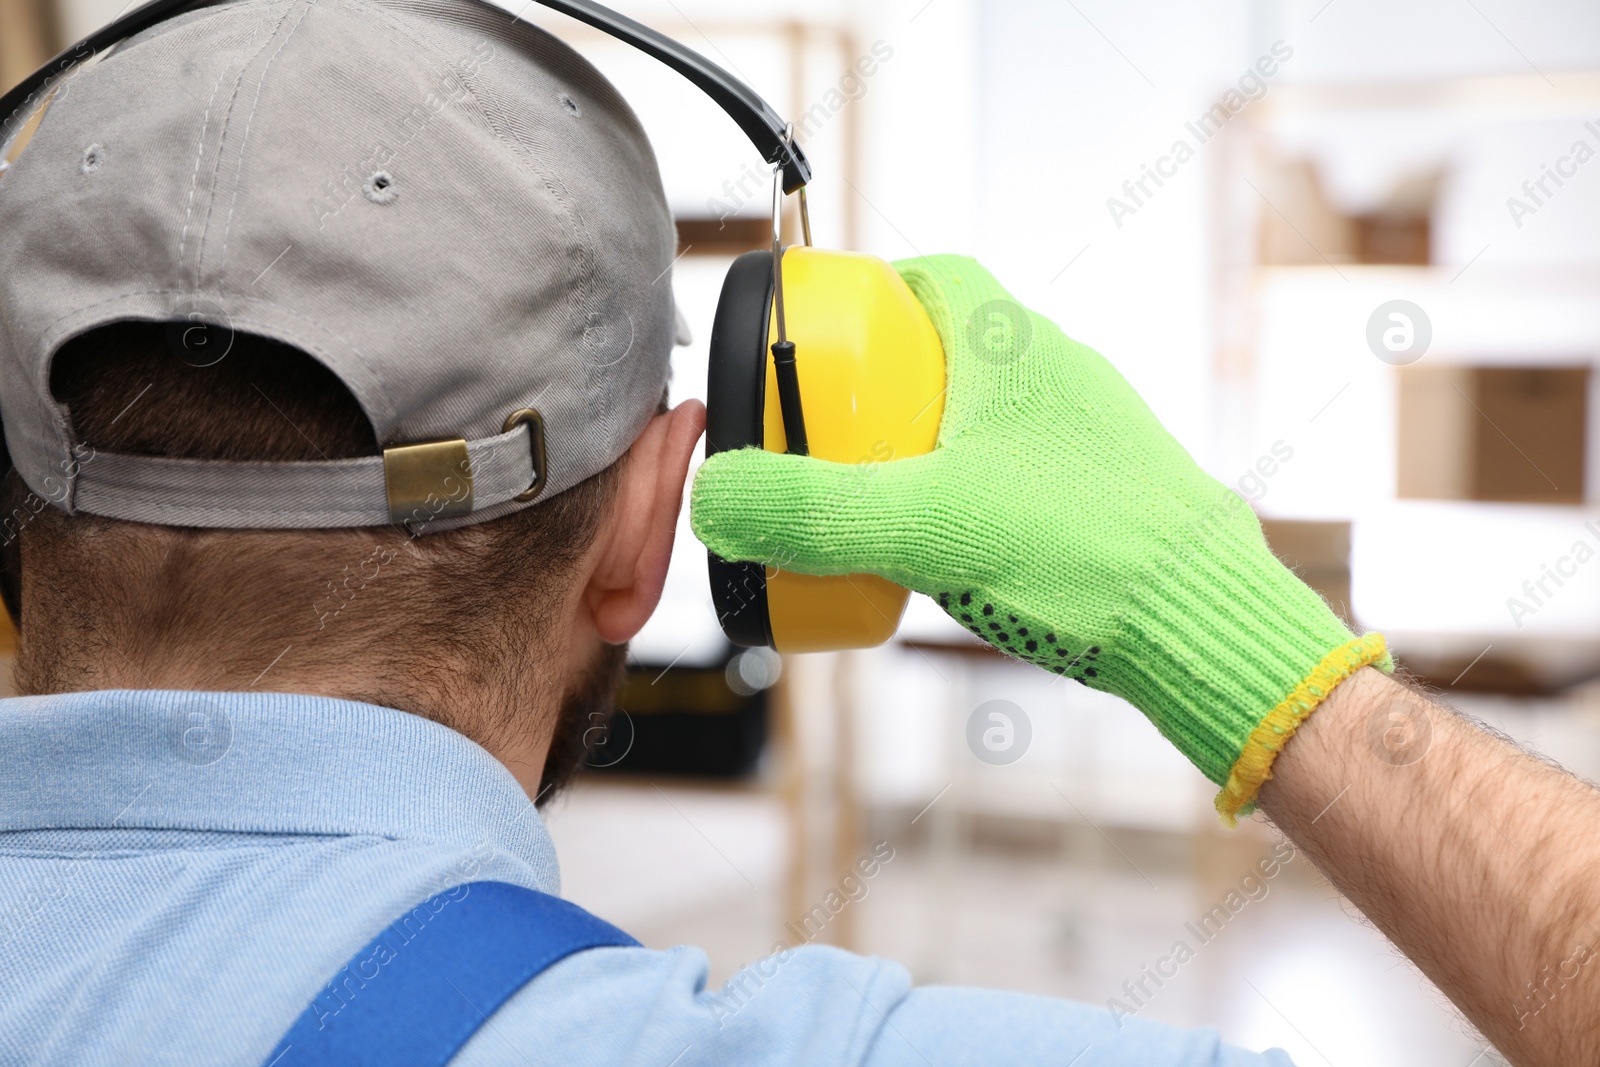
(11, 549)
(736, 390)
(736, 395)
(11, 587)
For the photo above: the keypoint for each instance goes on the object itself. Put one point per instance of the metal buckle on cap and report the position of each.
(427, 481)
(535, 423)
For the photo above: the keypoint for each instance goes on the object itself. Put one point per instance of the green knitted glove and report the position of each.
(1060, 522)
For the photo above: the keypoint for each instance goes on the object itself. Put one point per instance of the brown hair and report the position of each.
(421, 615)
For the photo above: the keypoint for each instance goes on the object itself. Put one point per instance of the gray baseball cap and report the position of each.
(450, 209)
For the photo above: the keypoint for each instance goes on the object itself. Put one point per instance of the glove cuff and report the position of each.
(1254, 765)
(1227, 652)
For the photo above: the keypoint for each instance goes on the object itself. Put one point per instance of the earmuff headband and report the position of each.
(765, 128)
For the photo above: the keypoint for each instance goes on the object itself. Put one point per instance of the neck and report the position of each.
(513, 722)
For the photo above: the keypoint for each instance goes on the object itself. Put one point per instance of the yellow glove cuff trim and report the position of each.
(1254, 765)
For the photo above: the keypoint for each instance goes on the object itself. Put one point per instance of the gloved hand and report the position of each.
(1060, 522)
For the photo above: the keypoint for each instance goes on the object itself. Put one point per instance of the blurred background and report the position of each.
(1349, 251)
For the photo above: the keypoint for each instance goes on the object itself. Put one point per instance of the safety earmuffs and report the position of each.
(853, 357)
(831, 355)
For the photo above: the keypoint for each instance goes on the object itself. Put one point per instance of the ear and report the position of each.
(635, 545)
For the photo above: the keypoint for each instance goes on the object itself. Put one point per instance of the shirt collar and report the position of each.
(257, 763)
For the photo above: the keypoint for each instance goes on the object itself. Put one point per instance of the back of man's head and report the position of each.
(371, 613)
(397, 222)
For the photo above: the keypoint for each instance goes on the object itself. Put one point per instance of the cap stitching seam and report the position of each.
(194, 175)
(244, 142)
(222, 137)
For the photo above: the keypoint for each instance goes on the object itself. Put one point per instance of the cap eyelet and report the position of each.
(535, 423)
(380, 188)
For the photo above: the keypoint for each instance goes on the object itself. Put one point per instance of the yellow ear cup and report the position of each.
(872, 374)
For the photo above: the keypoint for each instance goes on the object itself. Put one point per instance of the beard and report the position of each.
(583, 719)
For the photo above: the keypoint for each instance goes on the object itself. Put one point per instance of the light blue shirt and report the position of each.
(181, 874)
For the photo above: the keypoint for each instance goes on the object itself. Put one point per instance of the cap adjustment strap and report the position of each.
(314, 494)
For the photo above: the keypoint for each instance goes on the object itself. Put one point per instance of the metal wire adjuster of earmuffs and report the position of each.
(783, 365)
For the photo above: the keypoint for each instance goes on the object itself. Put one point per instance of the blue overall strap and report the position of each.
(419, 990)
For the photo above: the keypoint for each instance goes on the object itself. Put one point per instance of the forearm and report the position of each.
(1480, 862)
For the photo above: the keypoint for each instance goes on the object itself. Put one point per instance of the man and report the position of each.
(291, 672)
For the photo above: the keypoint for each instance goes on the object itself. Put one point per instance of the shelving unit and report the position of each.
(1293, 302)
